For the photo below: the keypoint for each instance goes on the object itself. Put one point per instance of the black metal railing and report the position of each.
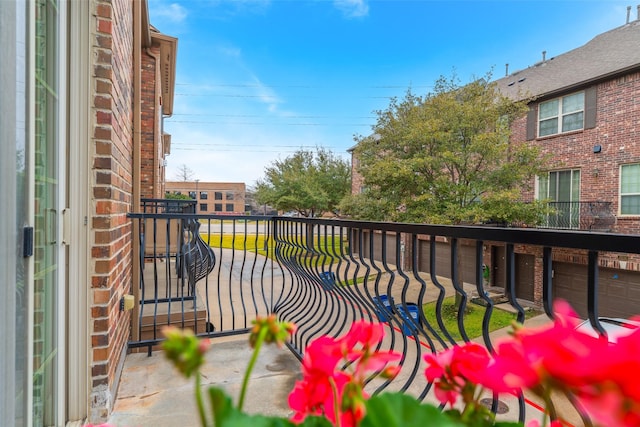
(584, 215)
(168, 205)
(324, 274)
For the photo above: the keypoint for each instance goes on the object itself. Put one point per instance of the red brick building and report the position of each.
(585, 115)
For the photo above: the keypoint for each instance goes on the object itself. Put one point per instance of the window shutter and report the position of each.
(532, 121)
(590, 96)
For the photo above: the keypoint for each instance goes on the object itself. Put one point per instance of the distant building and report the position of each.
(214, 198)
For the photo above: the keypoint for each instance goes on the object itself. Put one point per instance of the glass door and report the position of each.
(14, 217)
(47, 326)
(562, 189)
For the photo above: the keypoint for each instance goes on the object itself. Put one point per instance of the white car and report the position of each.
(615, 327)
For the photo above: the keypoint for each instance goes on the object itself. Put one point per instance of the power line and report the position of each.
(213, 144)
(265, 123)
(263, 115)
(222, 95)
(292, 86)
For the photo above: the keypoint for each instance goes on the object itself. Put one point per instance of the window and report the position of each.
(229, 207)
(229, 195)
(192, 194)
(561, 114)
(562, 189)
(630, 189)
(217, 195)
(217, 207)
(203, 207)
(203, 195)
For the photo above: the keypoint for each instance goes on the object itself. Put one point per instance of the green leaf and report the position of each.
(226, 415)
(399, 410)
(315, 422)
(221, 405)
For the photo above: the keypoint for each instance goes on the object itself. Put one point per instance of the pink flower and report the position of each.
(456, 370)
(324, 384)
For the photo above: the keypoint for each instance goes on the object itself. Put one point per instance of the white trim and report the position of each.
(61, 203)
(620, 214)
(78, 186)
(560, 116)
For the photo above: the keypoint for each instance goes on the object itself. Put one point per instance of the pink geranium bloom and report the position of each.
(456, 368)
(324, 383)
(510, 370)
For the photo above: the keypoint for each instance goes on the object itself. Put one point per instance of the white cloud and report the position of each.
(173, 12)
(230, 51)
(352, 8)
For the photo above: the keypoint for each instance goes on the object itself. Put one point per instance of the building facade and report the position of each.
(73, 103)
(584, 115)
(213, 198)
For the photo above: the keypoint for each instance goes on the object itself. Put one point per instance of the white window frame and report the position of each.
(560, 116)
(621, 195)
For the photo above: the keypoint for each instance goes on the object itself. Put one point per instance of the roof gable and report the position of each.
(606, 55)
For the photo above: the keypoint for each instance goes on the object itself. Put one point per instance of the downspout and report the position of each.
(137, 110)
(157, 121)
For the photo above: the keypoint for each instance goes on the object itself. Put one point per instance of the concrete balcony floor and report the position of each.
(152, 393)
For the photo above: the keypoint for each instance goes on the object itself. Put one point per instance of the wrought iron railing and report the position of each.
(584, 215)
(324, 274)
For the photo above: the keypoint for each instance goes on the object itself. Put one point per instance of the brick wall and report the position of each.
(357, 180)
(111, 181)
(237, 190)
(617, 131)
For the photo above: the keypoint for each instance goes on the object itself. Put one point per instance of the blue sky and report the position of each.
(260, 79)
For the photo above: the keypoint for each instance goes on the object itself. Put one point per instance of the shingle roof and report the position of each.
(605, 55)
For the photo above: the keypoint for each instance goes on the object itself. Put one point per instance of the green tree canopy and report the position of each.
(310, 183)
(446, 158)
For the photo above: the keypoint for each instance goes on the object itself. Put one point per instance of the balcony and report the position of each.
(585, 215)
(324, 274)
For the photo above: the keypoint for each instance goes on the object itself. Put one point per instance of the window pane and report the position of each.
(572, 121)
(630, 205)
(575, 186)
(543, 187)
(229, 195)
(630, 179)
(549, 127)
(217, 207)
(548, 109)
(229, 207)
(573, 103)
(217, 195)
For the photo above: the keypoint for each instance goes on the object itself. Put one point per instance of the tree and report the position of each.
(310, 183)
(446, 158)
(184, 173)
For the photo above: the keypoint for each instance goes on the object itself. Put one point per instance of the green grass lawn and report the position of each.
(326, 249)
(472, 319)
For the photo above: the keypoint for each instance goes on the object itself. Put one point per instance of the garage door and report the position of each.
(525, 272)
(390, 245)
(443, 260)
(618, 291)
